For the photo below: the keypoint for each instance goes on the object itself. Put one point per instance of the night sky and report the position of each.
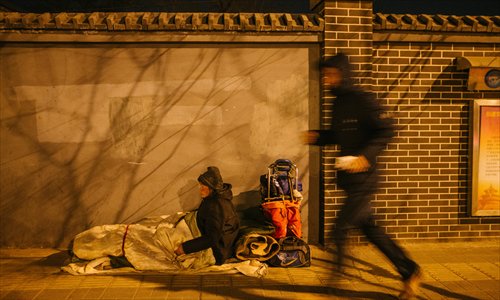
(446, 7)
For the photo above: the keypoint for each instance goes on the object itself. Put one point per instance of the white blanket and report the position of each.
(149, 246)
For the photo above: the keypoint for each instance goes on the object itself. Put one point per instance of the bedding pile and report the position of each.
(148, 246)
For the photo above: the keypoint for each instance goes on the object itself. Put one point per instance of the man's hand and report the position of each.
(179, 250)
(310, 137)
(353, 164)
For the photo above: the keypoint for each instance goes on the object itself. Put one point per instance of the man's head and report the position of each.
(336, 71)
(212, 179)
(332, 77)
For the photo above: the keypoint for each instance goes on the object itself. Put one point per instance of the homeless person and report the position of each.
(182, 241)
(216, 218)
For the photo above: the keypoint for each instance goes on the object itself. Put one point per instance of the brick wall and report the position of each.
(425, 185)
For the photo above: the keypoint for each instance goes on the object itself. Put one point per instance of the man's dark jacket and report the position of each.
(218, 223)
(359, 126)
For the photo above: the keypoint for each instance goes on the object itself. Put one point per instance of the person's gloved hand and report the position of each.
(352, 164)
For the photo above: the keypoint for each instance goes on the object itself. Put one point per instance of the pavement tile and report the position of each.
(215, 292)
(250, 292)
(272, 280)
(65, 282)
(96, 281)
(12, 282)
(458, 286)
(216, 280)
(486, 285)
(121, 292)
(479, 295)
(273, 293)
(242, 281)
(494, 294)
(159, 293)
(447, 290)
(466, 272)
(142, 293)
(21, 295)
(210, 296)
(317, 297)
(78, 293)
(125, 283)
(490, 269)
(4, 292)
(147, 294)
(440, 272)
(155, 281)
(432, 294)
(184, 294)
(52, 294)
(94, 293)
(188, 281)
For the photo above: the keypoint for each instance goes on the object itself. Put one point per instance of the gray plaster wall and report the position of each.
(97, 134)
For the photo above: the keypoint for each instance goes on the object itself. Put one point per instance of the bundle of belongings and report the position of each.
(280, 244)
(271, 237)
(148, 245)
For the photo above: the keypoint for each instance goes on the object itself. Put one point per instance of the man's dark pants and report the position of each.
(357, 212)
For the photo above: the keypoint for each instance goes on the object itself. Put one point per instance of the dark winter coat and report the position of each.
(218, 223)
(359, 126)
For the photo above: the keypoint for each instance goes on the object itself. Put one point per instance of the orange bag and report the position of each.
(276, 212)
(285, 216)
(293, 218)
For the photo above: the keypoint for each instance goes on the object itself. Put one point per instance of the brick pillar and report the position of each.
(348, 29)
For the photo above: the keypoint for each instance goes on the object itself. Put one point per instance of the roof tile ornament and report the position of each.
(164, 21)
(424, 22)
(246, 22)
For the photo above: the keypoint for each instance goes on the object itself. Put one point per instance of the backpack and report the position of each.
(294, 252)
(281, 180)
(281, 198)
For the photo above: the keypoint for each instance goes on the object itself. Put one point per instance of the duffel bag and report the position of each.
(294, 252)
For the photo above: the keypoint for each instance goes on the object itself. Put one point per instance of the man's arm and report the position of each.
(381, 129)
(319, 137)
(213, 232)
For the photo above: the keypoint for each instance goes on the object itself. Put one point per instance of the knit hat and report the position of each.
(212, 179)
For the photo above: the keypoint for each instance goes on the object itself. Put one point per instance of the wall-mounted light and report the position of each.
(484, 72)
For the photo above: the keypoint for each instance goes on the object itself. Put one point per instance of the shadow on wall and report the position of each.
(246, 200)
(189, 196)
(74, 183)
(432, 116)
(130, 146)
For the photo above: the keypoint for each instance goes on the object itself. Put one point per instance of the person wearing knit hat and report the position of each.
(212, 179)
(216, 218)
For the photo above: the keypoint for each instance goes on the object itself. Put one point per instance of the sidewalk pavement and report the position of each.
(453, 270)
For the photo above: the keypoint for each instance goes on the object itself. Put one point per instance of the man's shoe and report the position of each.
(411, 285)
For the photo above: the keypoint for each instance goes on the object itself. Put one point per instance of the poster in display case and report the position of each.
(485, 154)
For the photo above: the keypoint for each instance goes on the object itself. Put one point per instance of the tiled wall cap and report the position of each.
(136, 21)
(426, 22)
